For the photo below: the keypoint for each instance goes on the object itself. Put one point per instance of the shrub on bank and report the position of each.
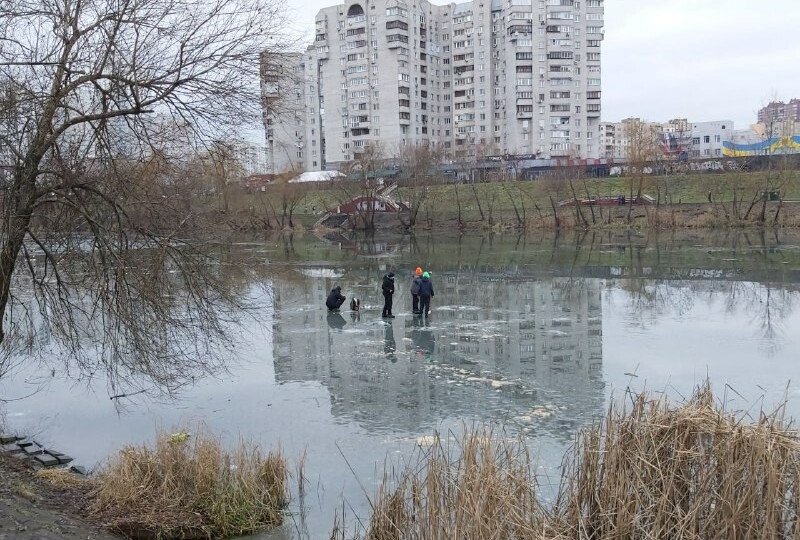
(188, 487)
(649, 470)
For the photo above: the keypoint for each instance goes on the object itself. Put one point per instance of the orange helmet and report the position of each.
(418, 271)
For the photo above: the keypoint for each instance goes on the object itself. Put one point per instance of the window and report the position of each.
(707, 139)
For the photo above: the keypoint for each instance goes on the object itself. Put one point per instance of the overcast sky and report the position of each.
(696, 59)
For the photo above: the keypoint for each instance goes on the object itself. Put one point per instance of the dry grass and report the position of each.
(478, 485)
(64, 479)
(649, 470)
(188, 487)
(654, 471)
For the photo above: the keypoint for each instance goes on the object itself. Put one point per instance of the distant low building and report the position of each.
(317, 176)
(257, 182)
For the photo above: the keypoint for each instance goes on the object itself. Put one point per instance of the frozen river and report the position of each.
(534, 333)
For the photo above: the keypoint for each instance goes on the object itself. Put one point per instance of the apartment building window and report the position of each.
(707, 138)
(396, 11)
(717, 138)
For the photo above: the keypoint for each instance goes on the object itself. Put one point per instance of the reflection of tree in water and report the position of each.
(172, 321)
(768, 306)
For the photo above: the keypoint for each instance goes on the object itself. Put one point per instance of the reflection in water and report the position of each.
(531, 331)
(389, 345)
(522, 352)
(335, 320)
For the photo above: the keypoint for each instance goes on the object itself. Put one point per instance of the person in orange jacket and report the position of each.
(415, 279)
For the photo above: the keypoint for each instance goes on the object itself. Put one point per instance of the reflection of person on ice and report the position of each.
(415, 290)
(335, 299)
(425, 293)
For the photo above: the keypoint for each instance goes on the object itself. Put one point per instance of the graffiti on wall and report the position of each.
(709, 165)
(771, 146)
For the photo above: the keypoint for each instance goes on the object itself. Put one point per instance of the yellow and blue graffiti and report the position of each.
(773, 145)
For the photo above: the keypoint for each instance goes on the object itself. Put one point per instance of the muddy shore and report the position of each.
(31, 508)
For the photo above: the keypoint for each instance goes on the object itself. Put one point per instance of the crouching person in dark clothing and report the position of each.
(335, 299)
(388, 290)
(425, 293)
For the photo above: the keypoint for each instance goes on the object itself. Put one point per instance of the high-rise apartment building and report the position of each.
(473, 79)
(780, 119)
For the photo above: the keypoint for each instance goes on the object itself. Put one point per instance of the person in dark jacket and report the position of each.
(425, 293)
(388, 290)
(335, 299)
(416, 278)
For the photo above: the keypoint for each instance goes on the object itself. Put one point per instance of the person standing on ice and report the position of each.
(425, 293)
(387, 287)
(415, 280)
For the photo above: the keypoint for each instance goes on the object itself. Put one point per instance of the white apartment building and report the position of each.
(284, 113)
(707, 138)
(477, 78)
(253, 158)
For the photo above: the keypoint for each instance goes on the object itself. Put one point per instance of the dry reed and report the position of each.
(190, 488)
(478, 485)
(695, 471)
(649, 470)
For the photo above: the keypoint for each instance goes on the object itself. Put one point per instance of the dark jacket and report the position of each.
(425, 287)
(335, 298)
(388, 283)
(415, 284)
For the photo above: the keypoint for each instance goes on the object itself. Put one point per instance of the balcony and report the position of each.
(397, 25)
(515, 29)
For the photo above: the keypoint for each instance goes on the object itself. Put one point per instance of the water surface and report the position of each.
(535, 333)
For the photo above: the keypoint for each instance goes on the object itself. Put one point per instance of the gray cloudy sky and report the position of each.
(698, 59)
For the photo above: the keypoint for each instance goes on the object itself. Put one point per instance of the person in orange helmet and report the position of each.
(415, 279)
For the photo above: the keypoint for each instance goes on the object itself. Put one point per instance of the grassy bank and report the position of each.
(647, 470)
(524, 204)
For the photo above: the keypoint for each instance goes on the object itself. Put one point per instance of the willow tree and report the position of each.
(92, 95)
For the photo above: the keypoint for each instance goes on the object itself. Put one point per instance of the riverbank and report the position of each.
(31, 508)
(731, 199)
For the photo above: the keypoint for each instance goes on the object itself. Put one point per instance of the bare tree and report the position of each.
(288, 196)
(421, 165)
(224, 168)
(365, 183)
(90, 218)
(643, 150)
